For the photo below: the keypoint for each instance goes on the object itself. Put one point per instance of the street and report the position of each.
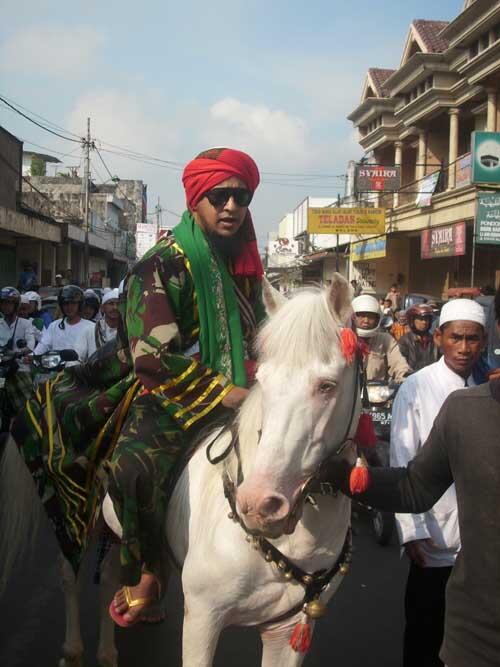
(363, 626)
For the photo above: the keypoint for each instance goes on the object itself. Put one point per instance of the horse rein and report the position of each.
(314, 583)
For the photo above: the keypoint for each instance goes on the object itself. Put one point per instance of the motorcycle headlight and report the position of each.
(379, 393)
(51, 361)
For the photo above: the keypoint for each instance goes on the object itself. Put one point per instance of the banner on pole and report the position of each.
(488, 218)
(426, 189)
(334, 220)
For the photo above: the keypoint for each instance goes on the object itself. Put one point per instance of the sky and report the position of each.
(275, 78)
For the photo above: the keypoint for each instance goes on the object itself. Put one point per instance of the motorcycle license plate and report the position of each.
(381, 417)
(2, 383)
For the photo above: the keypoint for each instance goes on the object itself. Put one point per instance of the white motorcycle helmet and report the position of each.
(34, 296)
(366, 304)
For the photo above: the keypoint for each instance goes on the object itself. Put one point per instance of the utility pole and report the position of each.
(87, 144)
(158, 214)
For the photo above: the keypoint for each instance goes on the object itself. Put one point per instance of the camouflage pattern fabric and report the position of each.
(123, 418)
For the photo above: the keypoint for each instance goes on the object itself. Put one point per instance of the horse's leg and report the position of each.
(73, 645)
(277, 651)
(202, 627)
(107, 655)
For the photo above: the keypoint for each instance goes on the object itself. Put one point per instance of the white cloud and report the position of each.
(148, 123)
(52, 50)
(268, 134)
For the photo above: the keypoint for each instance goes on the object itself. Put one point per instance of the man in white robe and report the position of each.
(432, 540)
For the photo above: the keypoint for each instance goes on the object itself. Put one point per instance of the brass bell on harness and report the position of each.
(315, 609)
(344, 568)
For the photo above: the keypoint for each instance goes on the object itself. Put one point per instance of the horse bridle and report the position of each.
(314, 583)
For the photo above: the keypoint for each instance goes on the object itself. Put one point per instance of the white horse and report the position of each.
(303, 409)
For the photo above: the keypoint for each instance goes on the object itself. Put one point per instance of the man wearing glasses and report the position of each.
(190, 309)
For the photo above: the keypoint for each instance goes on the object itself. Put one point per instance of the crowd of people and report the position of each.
(183, 357)
(83, 323)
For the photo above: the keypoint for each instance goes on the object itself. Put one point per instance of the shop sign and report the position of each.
(377, 178)
(488, 218)
(282, 253)
(446, 241)
(463, 171)
(335, 220)
(485, 157)
(369, 249)
(426, 189)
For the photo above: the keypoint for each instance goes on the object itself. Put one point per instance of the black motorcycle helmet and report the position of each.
(91, 301)
(69, 293)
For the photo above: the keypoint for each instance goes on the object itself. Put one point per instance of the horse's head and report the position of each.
(309, 400)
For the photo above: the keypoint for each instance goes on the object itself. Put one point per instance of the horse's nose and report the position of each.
(274, 506)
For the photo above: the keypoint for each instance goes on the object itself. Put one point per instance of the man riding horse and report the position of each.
(182, 359)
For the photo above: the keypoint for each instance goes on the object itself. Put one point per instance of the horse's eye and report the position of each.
(326, 387)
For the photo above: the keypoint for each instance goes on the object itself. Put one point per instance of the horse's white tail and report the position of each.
(20, 511)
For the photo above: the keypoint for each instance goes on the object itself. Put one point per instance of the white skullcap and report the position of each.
(112, 294)
(462, 309)
(365, 304)
(106, 290)
(24, 298)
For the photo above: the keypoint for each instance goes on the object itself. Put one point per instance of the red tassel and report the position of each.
(365, 434)
(359, 478)
(300, 640)
(348, 344)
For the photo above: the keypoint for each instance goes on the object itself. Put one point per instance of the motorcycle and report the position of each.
(9, 366)
(378, 400)
(46, 366)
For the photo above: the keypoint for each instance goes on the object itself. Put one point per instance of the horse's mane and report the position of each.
(302, 327)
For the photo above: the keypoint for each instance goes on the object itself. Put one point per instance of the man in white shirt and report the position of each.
(12, 327)
(62, 334)
(103, 330)
(432, 540)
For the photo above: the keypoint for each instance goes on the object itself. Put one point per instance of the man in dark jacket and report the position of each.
(417, 346)
(463, 447)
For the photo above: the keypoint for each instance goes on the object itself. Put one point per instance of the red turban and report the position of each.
(214, 166)
(208, 170)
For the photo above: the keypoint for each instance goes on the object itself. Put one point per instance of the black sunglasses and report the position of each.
(219, 197)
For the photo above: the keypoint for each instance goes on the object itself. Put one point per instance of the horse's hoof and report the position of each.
(71, 661)
(107, 661)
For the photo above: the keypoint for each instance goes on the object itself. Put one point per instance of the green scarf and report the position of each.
(221, 336)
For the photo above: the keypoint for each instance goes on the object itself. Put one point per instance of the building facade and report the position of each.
(26, 235)
(111, 229)
(420, 117)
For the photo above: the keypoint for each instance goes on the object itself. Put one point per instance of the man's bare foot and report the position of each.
(147, 589)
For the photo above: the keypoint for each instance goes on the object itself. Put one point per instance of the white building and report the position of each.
(146, 236)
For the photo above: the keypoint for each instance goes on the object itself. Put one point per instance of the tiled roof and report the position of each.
(429, 32)
(379, 77)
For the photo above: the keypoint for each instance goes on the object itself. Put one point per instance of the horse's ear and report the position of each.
(340, 298)
(272, 299)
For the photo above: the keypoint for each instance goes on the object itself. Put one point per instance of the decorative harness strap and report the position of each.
(314, 583)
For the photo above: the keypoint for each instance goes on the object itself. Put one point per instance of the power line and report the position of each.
(118, 187)
(46, 120)
(149, 159)
(32, 120)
